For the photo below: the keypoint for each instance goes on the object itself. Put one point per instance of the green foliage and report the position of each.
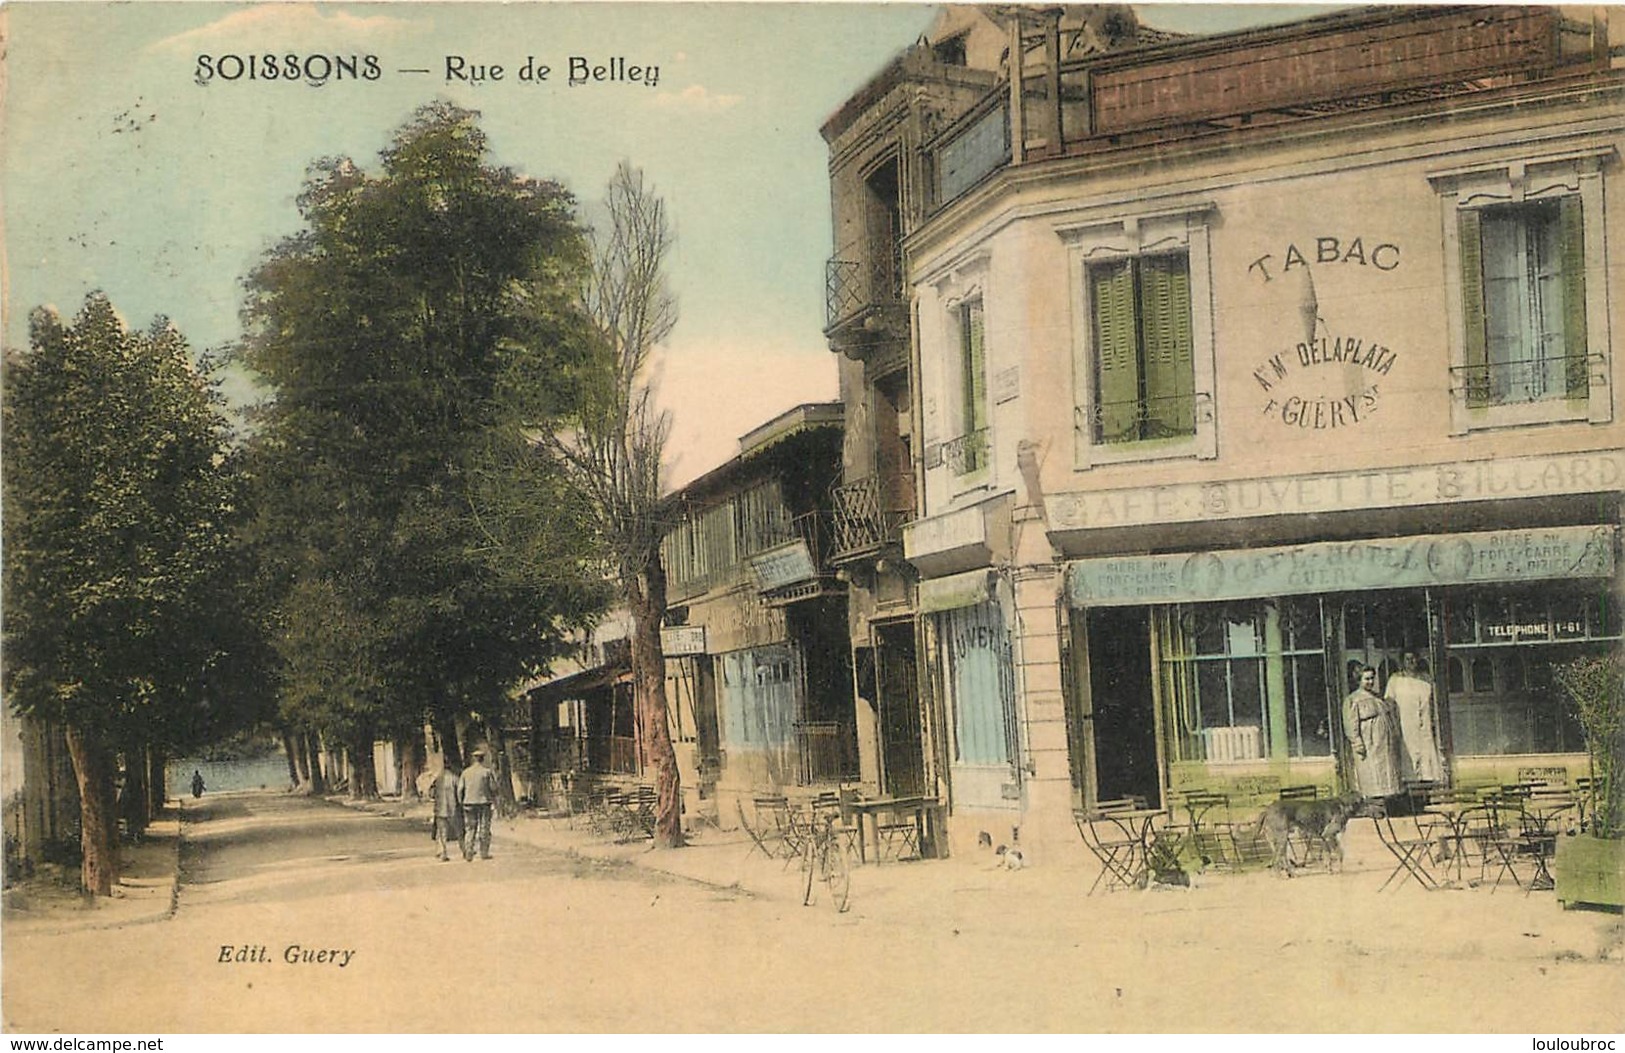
(414, 333)
(121, 497)
(1594, 687)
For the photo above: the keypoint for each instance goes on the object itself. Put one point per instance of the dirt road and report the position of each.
(297, 915)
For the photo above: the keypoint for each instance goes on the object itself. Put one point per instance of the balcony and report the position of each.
(798, 569)
(864, 305)
(865, 521)
(1152, 417)
(1524, 380)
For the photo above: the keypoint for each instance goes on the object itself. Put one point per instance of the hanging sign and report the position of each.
(784, 565)
(679, 640)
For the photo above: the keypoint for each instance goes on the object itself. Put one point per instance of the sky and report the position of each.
(125, 171)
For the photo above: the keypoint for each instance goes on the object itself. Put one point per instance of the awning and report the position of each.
(577, 684)
(1344, 566)
(956, 590)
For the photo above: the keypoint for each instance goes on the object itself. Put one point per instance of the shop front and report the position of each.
(971, 654)
(1229, 668)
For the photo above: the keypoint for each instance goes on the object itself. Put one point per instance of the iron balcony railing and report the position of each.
(1524, 380)
(1157, 417)
(853, 286)
(864, 517)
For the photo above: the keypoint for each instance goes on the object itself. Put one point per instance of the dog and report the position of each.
(1009, 858)
(1321, 822)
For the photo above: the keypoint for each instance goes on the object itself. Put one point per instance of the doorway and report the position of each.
(1378, 630)
(902, 754)
(1122, 712)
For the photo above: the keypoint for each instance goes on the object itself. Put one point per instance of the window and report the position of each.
(1503, 644)
(1247, 680)
(969, 453)
(1524, 302)
(1144, 376)
(759, 689)
(980, 688)
(1142, 330)
(1526, 290)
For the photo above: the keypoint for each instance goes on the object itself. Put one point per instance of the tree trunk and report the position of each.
(410, 761)
(291, 754)
(135, 791)
(313, 757)
(648, 606)
(157, 781)
(445, 729)
(51, 812)
(93, 768)
(363, 774)
(503, 766)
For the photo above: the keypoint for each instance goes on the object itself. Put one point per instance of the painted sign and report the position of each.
(1342, 566)
(1426, 484)
(784, 565)
(679, 640)
(1382, 255)
(1433, 48)
(1315, 363)
(960, 529)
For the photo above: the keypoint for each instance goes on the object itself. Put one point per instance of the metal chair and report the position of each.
(1115, 842)
(1412, 845)
(901, 835)
(770, 830)
(1208, 831)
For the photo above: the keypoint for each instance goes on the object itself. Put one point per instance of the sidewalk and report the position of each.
(1257, 912)
(145, 891)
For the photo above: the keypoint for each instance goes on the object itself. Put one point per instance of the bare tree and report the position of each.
(614, 456)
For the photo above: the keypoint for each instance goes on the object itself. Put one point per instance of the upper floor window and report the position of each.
(973, 415)
(1144, 373)
(1523, 299)
(1142, 327)
(1526, 293)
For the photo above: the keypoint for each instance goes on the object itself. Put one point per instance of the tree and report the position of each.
(396, 330)
(120, 503)
(613, 458)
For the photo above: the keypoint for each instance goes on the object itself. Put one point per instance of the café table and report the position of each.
(1125, 855)
(866, 814)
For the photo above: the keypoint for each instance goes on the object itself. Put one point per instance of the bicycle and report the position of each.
(824, 858)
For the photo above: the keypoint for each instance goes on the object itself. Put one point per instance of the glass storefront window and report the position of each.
(1502, 646)
(980, 684)
(1246, 680)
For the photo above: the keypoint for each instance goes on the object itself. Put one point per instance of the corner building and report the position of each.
(1240, 361)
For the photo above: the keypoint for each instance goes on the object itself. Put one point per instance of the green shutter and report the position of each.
(1472, 307)
(1117, 367)
(1165, 325)
(1575, 346)
(973, 334)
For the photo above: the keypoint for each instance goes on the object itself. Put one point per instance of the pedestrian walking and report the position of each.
(479, 796)
(197, 783)
(448, 810)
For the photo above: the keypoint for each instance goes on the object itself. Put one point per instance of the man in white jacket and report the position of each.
(1412, 695)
